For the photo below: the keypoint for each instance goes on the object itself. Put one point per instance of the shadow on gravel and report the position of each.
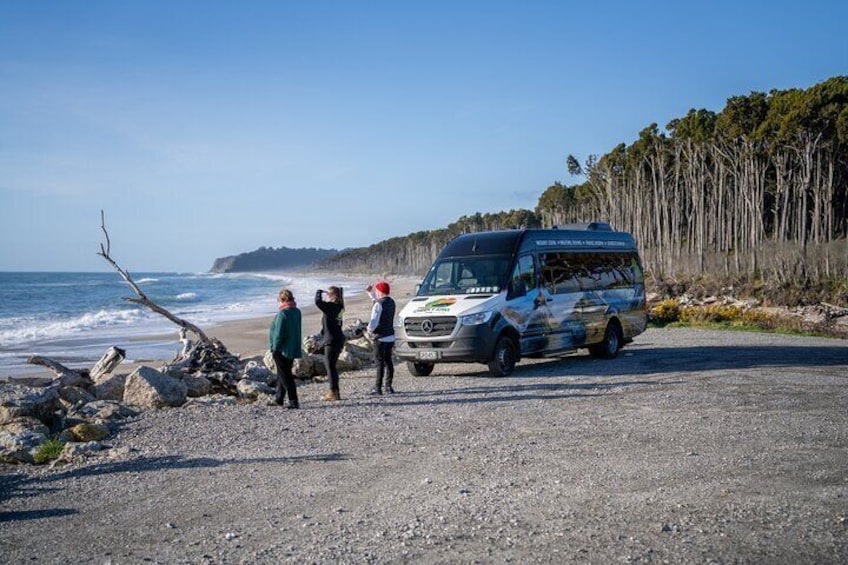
(21, 515)
(180, 462)
(509, 393)
(653, 360)
(21, 485)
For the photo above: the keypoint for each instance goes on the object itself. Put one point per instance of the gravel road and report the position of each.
(691, 447)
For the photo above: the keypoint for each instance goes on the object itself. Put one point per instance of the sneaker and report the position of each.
(375, 392)
(390, 390)
(293, 406)
(331, 396)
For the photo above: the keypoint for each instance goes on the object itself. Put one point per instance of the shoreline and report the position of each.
(248, 337)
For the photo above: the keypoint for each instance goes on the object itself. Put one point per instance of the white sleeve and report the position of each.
(376, 310)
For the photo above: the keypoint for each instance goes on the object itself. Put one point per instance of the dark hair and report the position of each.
(338, 292)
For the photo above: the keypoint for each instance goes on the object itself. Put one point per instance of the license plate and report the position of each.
(429, 355)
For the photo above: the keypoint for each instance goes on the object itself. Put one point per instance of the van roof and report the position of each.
(593, 235)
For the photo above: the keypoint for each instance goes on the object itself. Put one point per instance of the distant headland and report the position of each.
(271, 259)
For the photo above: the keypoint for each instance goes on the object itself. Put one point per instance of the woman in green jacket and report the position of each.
(284, 342)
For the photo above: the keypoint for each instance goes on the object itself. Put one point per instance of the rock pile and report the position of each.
(82, 408)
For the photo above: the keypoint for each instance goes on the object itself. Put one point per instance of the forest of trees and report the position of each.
(757, 191)
(754, 193)
(414, 253)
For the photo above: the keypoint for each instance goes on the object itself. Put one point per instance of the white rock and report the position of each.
(148, 388)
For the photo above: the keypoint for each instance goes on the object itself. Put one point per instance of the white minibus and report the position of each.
(495, 297)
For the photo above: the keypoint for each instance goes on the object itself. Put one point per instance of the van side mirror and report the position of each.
(417, 288)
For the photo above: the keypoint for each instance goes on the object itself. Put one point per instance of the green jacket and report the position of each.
(285, 333)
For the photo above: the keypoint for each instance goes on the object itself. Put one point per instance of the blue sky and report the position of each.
(208, 129)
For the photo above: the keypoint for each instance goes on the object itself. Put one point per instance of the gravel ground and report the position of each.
(690, 447)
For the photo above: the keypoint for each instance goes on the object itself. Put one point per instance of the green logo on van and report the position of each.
(438, 304)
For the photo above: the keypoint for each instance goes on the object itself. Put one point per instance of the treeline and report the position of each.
(757, 191)
(755, 194)
(270, 259)
(414, 253)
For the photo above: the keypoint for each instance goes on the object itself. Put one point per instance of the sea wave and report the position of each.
(187, 296)
(271, 277)
(147, 280)
(30, 330)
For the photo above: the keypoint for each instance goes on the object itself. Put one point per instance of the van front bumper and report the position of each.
(468, 343)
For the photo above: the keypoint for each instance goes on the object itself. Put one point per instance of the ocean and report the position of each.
(73, 318)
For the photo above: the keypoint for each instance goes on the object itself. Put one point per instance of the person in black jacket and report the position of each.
(332, 337)
(381, 327)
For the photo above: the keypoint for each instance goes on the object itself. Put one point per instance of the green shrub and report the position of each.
(49, 450)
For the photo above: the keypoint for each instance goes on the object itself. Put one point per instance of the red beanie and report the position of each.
(382, 287)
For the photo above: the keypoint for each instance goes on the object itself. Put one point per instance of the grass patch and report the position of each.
(669, 313)
(741, 327)
(47, 451)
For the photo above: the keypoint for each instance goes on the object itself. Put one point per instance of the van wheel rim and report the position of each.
(612, 342)
(505, 358)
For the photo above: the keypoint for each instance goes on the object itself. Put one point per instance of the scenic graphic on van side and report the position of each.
(495, 297)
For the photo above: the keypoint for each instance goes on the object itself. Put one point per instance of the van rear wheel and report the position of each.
(419, 369)
(610, 346)
(503, 361)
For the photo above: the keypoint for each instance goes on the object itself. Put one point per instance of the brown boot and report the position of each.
(331, 396)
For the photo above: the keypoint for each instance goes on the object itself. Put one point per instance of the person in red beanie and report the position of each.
(381, 327)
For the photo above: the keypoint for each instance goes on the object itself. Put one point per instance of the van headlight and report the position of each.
(476, 319)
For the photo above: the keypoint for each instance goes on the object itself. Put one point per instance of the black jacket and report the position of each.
(331, 321)
(385, 327)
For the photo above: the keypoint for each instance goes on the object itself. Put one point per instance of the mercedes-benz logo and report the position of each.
(427, 326)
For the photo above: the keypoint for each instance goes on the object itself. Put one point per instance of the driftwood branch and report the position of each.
(142, 298)
(107, 362)
(65, 376)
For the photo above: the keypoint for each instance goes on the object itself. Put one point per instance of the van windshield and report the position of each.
(466, 275)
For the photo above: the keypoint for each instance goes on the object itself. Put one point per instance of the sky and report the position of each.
(206, 129)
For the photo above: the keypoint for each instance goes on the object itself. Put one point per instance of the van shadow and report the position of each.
(508, 393)
(652, 360)
(20, 485)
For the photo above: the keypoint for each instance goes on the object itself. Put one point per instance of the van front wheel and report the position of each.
(503, 361)
(419, 369)
(608, 348)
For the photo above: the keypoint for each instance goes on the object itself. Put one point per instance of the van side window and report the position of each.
(573, 272)
(560, 272)
(524, 275)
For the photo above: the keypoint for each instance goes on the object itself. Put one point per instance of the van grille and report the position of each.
(433, 326)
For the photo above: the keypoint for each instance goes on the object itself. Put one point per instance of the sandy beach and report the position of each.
(249, 338)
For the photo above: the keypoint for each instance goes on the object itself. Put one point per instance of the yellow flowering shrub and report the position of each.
(665, 312)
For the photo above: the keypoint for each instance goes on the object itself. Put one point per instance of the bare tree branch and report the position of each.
(142, 298)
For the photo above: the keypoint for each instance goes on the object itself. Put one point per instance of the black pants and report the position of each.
(285, 379)
(385, 366)
(331, 357)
